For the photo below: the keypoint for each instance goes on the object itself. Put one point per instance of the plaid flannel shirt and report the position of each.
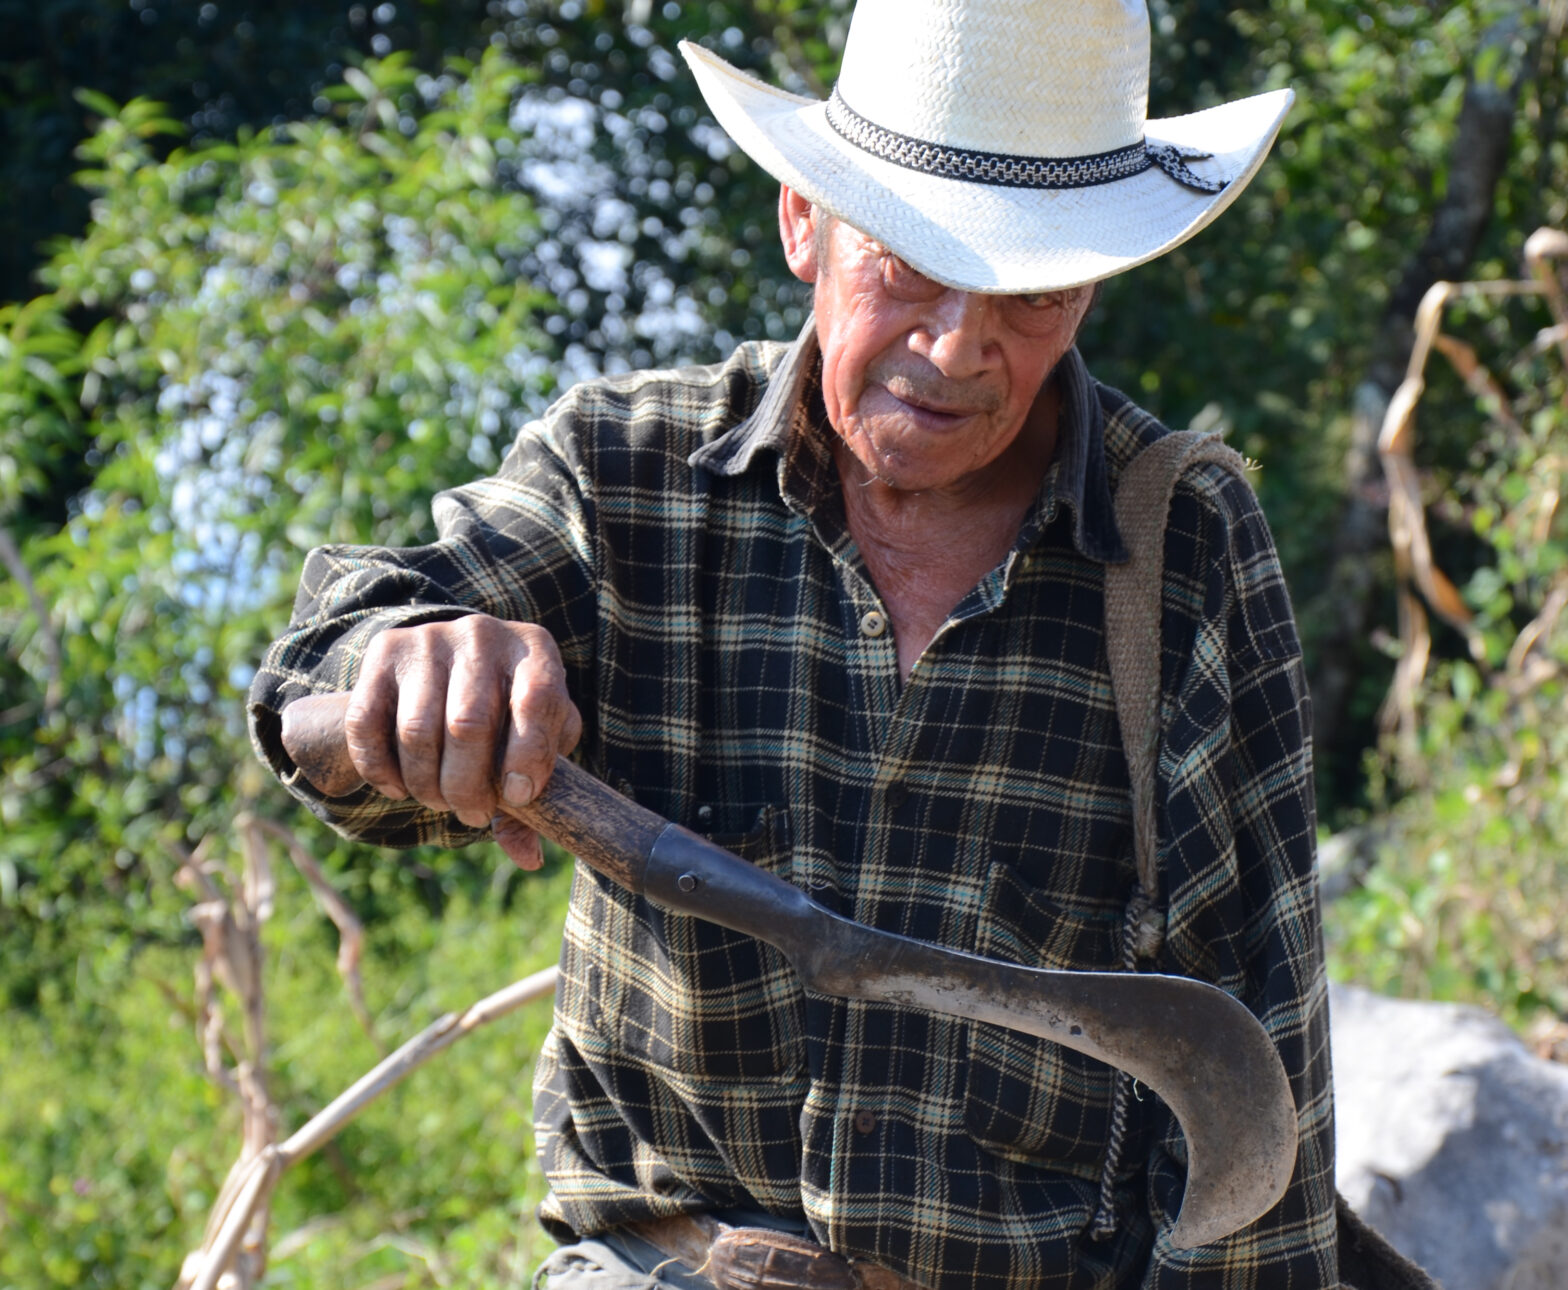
(682, 535)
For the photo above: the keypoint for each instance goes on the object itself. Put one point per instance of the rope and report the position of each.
(1103, 1227)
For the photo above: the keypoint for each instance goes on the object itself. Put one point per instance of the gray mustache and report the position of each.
(931, 389)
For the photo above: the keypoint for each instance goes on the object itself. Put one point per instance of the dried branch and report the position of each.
(1538, 629)
(1547, 337)
(1543, 245)
(1478, 380)
(1477, 157)
(251, 1183)
(229, 914)
(1414, 564)
(351, 932)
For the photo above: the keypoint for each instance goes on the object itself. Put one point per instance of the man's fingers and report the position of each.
(528, 760)
(519, 842)
(475, 719)
(544, 723)
(421, 736)
(371, 727)
(460, 715)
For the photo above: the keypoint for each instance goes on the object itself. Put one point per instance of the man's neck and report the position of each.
(925, 551)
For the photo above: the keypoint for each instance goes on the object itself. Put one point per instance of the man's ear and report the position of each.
(798, 232)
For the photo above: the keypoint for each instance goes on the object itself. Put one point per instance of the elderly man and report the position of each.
(838, 605)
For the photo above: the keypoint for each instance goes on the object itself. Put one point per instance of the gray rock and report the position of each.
(1345, 859)
(1452, 1140)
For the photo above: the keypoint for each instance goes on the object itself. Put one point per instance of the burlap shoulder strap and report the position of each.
(1132, 637)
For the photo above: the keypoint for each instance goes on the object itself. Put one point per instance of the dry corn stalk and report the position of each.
(1420, 582)
(254, 1179)
(230, 914)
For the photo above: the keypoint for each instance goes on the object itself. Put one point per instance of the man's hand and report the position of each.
(459, 715)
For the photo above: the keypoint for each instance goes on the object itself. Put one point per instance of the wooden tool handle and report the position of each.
(593, 822)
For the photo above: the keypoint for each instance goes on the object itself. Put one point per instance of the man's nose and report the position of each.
(957, 333)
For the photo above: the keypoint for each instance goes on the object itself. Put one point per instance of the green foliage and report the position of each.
(307, 332)
(301, 335)
(38, 414)
(1467, 900)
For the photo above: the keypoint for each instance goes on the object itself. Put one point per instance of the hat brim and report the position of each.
(982, 237)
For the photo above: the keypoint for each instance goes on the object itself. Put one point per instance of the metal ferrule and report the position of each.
(688, 873)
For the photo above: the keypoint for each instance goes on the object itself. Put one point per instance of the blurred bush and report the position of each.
(1469, 898)
(307, 332)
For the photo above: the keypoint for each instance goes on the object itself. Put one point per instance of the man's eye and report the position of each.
(905, 282)
(1044, 299)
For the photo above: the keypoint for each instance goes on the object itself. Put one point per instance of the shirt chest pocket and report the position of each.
(1029, 1099)
(698, 999)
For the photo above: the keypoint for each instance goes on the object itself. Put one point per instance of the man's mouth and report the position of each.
(933, 410)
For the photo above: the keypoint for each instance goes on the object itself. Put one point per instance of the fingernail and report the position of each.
(518, 789)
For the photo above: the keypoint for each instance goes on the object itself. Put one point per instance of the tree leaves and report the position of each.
(287, 316)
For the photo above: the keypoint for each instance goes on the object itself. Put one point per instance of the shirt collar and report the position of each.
(783, 403)
(1077, 480)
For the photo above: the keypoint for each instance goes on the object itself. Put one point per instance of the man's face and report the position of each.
(926, 385)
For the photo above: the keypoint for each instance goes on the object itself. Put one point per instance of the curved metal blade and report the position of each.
(1197, 1047)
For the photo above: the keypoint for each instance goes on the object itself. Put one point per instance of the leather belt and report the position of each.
(760, 1258)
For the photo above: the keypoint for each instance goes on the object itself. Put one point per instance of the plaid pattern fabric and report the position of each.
(682, 535)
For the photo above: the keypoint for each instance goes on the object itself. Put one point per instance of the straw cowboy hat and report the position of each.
(1000, 145)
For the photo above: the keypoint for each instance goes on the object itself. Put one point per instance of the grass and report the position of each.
(113, 1142)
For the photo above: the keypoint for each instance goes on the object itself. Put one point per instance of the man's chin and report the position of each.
(910, 473)
(915, 454)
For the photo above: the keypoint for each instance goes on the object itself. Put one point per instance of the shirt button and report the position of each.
(705, 815)
(897, 793)
(865, 1121)
(873, 623)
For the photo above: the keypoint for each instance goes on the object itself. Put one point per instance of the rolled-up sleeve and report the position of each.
(516, 546)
